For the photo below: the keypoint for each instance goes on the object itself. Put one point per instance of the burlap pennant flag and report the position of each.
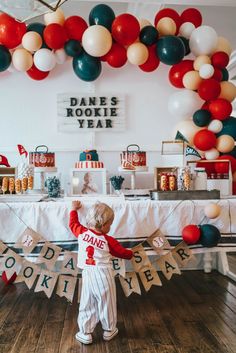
(28, 273)
(79, 289)
(69, 264)
(46, 282)
(11, 263)
(28, 240)
(130, 283)
(168, 265)
(182, 254)
(158, 241)
(49, 255)
(118, 266)
(150, 277)
(66, 286)
(140, 259)
(3, 247)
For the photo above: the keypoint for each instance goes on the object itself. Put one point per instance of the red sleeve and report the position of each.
(117, 250)
(75, 225)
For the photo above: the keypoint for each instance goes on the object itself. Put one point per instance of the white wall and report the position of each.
(28, 109)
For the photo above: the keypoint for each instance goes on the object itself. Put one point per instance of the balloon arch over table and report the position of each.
(204, 99)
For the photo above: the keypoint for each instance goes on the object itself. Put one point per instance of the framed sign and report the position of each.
(88, 181)
(79, 113)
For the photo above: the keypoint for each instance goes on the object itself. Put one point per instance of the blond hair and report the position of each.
(98, 215)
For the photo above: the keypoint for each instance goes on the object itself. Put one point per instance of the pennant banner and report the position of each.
(11, 263)
(180, 137)
(150, 277)
(28, 273)
(168, 265)
(66, 286)
(28, 240)
(190, 151)
(158, 241)
(49, 255)
(118, 266)
(130, 283)
(3, 247)
(69, 264)
(182, 254)
(140, 259)
(22, 150)
(46, 282)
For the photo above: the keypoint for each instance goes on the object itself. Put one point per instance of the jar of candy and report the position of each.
(53, 186)
(184, 178)
(200, 181)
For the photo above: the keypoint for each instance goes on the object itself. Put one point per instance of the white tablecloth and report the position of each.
(134, 221)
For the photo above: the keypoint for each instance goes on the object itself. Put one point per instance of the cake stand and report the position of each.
(133, 174)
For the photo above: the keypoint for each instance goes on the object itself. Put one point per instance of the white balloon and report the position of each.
(215, 126)
(212, 154)
(60, 56)
(206, 71)
(44, 59)
(186, 29)
(203, 41)
(184, 103)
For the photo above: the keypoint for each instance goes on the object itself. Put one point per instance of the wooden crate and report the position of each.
(158, 171)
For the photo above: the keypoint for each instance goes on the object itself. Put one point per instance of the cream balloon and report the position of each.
(212, 210)
(97, 40)
(225, 143)
(206, 71)
(228, 91)
(166, 26)
(144, 23)
(32, 41)
(203, 41)
(137, 53)
(187, 128)
(22, 59)
(44, 59)
(184, 103)
(186, 29)
(60, 56)
(213, 153)
(55, 17)
(215, 126)
(192, 80)
(223, 45)
(201, 60)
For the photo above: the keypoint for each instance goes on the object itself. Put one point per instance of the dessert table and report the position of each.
(134, 221)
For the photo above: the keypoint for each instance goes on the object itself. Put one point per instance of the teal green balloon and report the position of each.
(229, 127)
(170, 50)
(233, 152)
(36, 27)
(225, 74)
(148, 35)
(186, 45)
(102, 15)
(87, 67)
(73, 48)
(5, 58)
(201, 117)
(210, 235)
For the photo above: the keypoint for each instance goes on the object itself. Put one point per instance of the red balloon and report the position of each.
(125, 29)
(55, 36)
(191, 234)
(206, 106)
(191, 15)
(36, 74)
(11, 31)
(223, 167)
(152, 62)
(220, 109)
(220, 59)
(209, 89)
(117, 56)
(167, 12)
(178, 71)
(75, 27)
(8, 280)
(217, 74)
(204, 140)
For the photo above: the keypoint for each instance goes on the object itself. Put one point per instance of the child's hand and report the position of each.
(76, 205)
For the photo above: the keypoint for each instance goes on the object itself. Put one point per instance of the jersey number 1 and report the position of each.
(90, 252)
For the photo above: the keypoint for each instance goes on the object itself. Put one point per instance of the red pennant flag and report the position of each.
(22, 150)
(4, 161)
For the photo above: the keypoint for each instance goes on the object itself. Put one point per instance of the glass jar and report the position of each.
(200, 181)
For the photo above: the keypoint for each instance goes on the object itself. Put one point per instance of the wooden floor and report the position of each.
(192, 313)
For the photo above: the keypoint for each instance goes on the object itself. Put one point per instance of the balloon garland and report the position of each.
(205, 97)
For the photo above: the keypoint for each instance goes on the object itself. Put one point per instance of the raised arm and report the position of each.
(74, 222)
(117, 250)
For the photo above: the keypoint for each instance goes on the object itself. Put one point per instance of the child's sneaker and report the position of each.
(85, 338)
(108, 335)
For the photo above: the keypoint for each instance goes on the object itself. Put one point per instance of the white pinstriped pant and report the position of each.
(98, 299)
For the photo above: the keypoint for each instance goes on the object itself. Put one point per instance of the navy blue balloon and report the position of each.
(225, 74)
(5, 58)
(201, 117)
(102, 15)
(186, 45)
(170, 50)
(229, 127)
(87, 67)
(210, 235)
(73, 48)
(148, 35)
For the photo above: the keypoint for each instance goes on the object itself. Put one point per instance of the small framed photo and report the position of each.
(88, 181)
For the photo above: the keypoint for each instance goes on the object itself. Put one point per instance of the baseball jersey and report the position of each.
(95, 249)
